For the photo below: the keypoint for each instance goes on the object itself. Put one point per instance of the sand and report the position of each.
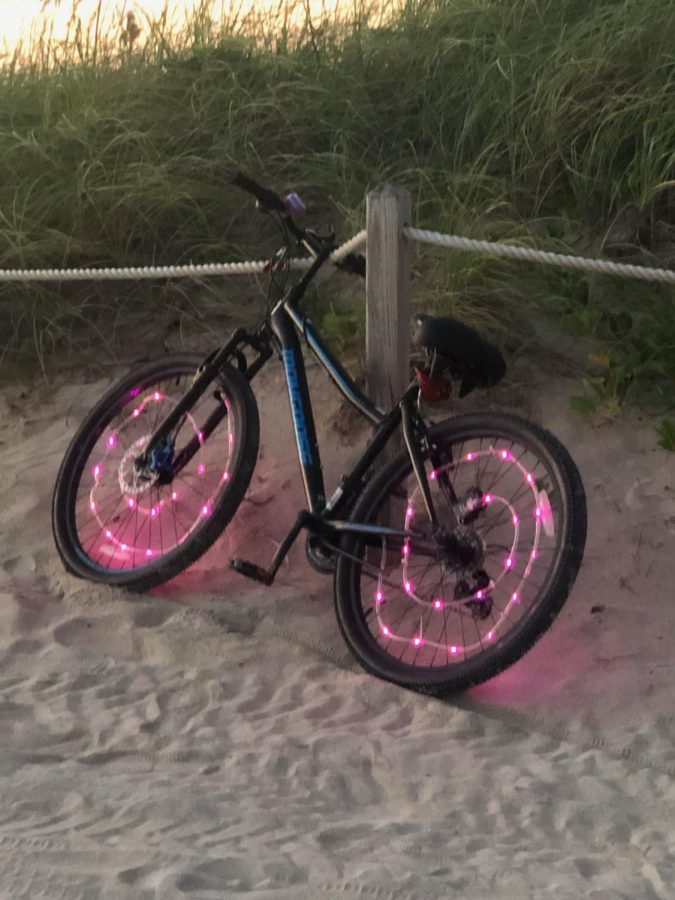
(214, 739)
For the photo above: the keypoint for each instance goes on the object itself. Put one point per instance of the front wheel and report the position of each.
(137, 526)
(448, 608)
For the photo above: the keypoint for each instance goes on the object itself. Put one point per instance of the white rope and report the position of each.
(205, 270)
(134, 272)
(665, 276)
(346, 248)
(147, 272)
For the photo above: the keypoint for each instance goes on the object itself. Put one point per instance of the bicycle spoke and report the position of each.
(125, 523)
(419, 622)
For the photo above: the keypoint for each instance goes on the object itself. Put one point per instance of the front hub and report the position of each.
(134, 479)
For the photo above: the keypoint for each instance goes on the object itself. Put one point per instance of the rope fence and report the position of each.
(190, 270)
(567, 261)
(253, 267)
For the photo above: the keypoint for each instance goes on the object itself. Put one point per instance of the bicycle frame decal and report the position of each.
(297, 407)
(333, 369)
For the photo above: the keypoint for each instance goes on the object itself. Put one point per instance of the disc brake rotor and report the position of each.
(132, 480)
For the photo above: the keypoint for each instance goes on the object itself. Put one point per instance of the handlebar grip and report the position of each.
(268, 199)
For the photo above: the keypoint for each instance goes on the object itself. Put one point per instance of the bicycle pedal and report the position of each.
(251, 570)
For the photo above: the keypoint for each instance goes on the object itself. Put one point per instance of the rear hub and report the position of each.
(462, 548)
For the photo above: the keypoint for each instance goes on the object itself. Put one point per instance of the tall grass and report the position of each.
(550, 122)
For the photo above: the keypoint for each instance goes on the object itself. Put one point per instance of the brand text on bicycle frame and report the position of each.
(297, 407)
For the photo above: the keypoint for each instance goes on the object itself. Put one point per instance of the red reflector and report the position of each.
(434, 387)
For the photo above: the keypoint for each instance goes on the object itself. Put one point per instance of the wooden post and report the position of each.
(387, 295)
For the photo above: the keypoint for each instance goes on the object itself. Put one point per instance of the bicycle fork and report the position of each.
(206, 374)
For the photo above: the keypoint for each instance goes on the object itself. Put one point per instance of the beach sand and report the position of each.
(215, 739)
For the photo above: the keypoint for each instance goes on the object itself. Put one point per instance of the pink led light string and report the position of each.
(151, 512)
(509, 563)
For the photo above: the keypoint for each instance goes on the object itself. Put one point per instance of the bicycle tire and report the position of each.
(242, 422)
(459, 675)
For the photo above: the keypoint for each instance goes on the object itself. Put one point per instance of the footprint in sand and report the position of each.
(104, 634)
(648, 493)
(152, 616)
(24, 564)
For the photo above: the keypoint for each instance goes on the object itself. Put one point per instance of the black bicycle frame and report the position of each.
(287, 323)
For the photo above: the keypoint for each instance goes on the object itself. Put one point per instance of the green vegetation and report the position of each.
(666, 432)
(547, 122)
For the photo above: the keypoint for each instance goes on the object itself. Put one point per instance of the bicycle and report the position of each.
(450, 559)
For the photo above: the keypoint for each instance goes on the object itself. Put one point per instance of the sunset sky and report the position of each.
(18, 16)
(16, 19)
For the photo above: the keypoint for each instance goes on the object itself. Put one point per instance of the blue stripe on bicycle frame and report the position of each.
(297, 408)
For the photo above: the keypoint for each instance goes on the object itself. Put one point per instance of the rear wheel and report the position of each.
(121, 525)
(443, 610)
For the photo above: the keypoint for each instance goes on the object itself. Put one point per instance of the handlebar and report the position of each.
(267, 199)
(270, 201)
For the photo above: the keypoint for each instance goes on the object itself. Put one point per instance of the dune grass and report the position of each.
(549, 122)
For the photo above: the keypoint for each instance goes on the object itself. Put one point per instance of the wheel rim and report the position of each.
(123, 522)
(414, 604)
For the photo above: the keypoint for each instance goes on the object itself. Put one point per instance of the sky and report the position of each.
(17, 16)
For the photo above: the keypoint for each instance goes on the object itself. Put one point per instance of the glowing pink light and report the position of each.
(131, 503)
(537, 513)
(488, 498)
(408, 587)
(516, 520)
(157, 395)
(529, 478)
(174, 496)
(515, 597)
(136, 413)
(123, 546)
(406, 550)
(148, 552)
(409, 512)
(108, 534)
(417, 641)
(153, 512)
(490, 635)
(385, 631)
(453, 649)
(226, 476)
(97, 471)
(479, 595)
(206, 510)
(379, 596)
(92, 506)
(231, 438)
(438, 604)
(433, 476)
(508, 563)
(200, 435)
(533, 555)
(505, 454)
(201, 468)
(112, 440)
(469, 456)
